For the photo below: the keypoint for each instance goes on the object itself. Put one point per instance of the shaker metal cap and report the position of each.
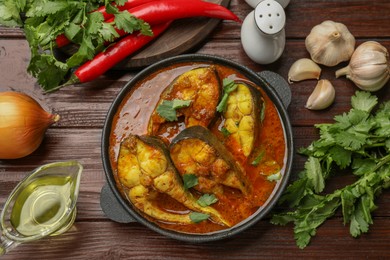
(270, 17)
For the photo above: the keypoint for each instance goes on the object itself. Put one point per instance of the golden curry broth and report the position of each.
(133, 117)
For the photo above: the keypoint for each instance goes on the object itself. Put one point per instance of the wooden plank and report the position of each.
(108, 240)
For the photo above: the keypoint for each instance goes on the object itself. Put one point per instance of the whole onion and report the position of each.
(23, 123)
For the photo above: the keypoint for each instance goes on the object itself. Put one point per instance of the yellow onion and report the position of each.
(23, 123)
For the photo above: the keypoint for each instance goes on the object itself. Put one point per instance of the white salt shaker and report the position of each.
(253, 3)
(262, 32)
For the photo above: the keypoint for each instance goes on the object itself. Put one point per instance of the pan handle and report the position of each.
(279, 84)
(112, 208)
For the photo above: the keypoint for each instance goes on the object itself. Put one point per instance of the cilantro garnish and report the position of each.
(274, 177)
(167, 109)
(225, 132)
(262, 112)
(189, 181)
(358, 140)
(197, 217)
(228, 86)
(44, 20)
(207, 199)
(258, 158)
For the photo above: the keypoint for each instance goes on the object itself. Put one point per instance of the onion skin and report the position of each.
(23, 123)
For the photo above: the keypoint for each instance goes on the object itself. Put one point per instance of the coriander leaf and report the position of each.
(95, 23)
(85, 52)
(49, 71)
(262, 111)
(178, 103)
(364, 101)
(167, 108)
(145, 29)
(225, 132)
(357, 117)
(353, 141)
(197, 217)
(274, 177)
(189, 181)
(108, 32)
(359, 224)
(258, 158)
(382, 120)
(282, 219)
(120, 2)
(228, 86)
(125, 21)
(347, 204)
(129, 23)
(363, 166)
(314, 174)
(111, 9)
(206, 200)
(295, 192)
(340, 156)
(343, 122)
(49, 7)
(9, 14)
(72, 30)
(21, 4)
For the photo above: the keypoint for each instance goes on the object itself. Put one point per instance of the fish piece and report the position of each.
(145, 168)
(197, 151)
(242, 116)
(202, 87)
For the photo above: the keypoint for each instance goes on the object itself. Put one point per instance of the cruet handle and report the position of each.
(6, 244)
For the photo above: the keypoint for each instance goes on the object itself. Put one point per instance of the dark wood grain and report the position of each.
(83, 110)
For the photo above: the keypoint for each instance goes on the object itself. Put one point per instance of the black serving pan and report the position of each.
(119, 209)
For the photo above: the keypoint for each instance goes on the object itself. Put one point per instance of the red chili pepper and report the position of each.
(129, 4)
(114, 54)
(157, 12)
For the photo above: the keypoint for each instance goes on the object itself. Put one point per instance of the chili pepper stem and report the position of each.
(71, 81)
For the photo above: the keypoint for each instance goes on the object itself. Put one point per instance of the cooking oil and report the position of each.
(42, 205)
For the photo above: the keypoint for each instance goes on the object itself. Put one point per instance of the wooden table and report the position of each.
(78, 137)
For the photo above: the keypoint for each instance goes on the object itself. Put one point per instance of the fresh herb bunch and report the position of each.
(44, 20)
(360, 141)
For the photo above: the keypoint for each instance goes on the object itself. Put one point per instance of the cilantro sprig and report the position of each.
(190, 180)
(207, 200)
(167, 108)
(358, 140)
(44, 20)
(198, 217)
(228, 86)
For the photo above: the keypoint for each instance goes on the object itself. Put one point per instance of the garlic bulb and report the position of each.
(330, 43)
(369, 67)
(303, 69)
(322, 96)
(22, 125)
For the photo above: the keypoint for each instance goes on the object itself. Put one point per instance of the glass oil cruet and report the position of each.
(42, 204)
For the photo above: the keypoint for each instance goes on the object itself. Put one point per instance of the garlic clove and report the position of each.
(330, 43)
(303, 69)
(369, 67)
(322, 96)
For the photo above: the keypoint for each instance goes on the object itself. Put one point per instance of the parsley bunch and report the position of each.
(44, 20)
(359, 141)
